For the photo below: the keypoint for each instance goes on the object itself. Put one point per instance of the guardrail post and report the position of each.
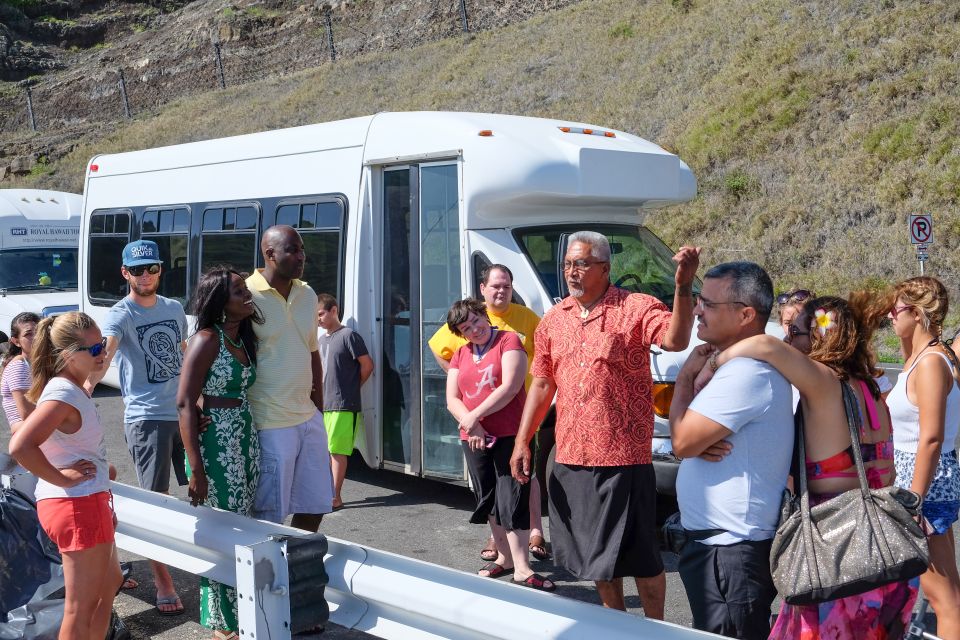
(122, 85)
(33, 121)
(463, 15)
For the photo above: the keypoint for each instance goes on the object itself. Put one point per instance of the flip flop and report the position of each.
(174, 600)
(489, 552)
(130, 583)
(495, 570)
(538, 548)
(538, 582)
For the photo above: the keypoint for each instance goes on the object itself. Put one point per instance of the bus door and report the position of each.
(421, 279)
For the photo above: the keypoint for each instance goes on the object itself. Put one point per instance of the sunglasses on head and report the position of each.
(794, 296)
(152, 269)
(94, 349)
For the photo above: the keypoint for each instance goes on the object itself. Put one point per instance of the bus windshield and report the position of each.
(639, 261)
(34, 268)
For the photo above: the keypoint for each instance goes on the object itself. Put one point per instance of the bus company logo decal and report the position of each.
(18, 231)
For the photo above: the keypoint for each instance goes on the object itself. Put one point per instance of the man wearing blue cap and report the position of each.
(148, 334)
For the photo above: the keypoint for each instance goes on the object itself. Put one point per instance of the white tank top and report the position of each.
(905, 416)
(63, 449)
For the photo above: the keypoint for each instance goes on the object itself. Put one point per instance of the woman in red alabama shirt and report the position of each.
(485, 394)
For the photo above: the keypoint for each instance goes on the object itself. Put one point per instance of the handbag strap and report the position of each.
(854, 423)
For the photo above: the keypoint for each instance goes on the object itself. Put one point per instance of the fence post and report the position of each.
(122, 84)
(463, 16)
(216, 52)
(333, 51)
(33, 120)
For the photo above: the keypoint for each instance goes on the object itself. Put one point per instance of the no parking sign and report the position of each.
(921, 229)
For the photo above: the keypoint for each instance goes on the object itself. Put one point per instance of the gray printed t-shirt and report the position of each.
(341, 371)
(149, 356)
(741, 494)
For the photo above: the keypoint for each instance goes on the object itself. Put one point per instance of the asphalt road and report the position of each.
(418, 518)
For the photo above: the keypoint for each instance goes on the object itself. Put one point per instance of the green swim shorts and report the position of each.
(342, 430)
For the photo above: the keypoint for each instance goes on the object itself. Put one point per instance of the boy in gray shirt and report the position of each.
(346, 366)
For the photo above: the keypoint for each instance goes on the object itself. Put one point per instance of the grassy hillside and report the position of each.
(814, 128)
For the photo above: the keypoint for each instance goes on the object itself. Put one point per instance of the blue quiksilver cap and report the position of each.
(141, 252)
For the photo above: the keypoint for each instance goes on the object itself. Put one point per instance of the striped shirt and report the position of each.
(16, 377)
(281, 395)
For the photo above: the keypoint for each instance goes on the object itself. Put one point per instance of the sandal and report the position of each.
(538, 548)
(538, 582)
(495, 570)
(489, 552)
(174, 601)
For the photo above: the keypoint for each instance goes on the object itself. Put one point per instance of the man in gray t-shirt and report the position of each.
(147, 333)
(741, 422)
(346, 366)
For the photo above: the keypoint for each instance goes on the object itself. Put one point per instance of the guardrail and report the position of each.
(275, 571)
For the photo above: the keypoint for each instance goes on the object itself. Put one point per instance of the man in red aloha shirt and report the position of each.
(593, 351)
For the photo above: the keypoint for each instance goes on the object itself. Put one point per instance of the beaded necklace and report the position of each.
(226, 336)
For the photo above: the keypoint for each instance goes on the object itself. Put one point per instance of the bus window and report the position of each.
(109, 233)
(161, 226)
(320, 225)
(229, 237)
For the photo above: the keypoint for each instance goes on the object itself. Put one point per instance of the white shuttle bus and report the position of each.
(39, 241)
(398, 212)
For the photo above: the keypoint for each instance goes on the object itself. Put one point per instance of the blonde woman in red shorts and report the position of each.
(62, 444)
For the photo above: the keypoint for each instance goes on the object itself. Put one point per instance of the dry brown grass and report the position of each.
(815, 128)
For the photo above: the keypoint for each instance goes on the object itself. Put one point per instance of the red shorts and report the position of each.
(75, 524)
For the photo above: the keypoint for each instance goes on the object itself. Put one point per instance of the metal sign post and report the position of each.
(921, 236)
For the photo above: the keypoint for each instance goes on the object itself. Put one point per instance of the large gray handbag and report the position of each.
(860, 540)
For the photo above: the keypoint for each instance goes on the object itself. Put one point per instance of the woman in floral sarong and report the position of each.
(827, 342)
(224, 459)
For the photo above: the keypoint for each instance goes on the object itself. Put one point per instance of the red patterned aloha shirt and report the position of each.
(601, 366)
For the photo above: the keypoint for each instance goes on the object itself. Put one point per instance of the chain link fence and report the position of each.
(243, 51)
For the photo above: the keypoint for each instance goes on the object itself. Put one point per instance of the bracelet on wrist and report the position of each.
(712, 361)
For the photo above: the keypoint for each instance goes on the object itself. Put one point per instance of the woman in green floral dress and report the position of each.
(220, 364)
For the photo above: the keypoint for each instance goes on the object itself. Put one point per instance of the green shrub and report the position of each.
(622, 30)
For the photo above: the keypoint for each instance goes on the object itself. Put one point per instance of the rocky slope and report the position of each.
(71, 53)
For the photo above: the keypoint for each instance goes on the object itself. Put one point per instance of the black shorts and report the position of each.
(602, 521)
(155, 447)
(497, 493)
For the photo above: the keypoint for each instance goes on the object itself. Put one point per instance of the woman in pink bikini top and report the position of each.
(829, 344)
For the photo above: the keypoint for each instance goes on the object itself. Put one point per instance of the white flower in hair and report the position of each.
(825, 320)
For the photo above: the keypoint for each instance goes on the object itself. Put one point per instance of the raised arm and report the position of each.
(681, 322)
(794, 365)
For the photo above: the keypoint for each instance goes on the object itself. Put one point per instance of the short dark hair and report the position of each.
(326, 301)
(490, 268)
(749, 284)
(460, 312)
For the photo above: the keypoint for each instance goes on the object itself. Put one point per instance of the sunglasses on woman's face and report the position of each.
(794, 296)
(136, 272)
(94, 349)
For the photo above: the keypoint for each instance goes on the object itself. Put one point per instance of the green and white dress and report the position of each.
(230, 450)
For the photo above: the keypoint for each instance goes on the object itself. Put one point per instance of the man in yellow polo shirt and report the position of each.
(496, 287)
(287, 397)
